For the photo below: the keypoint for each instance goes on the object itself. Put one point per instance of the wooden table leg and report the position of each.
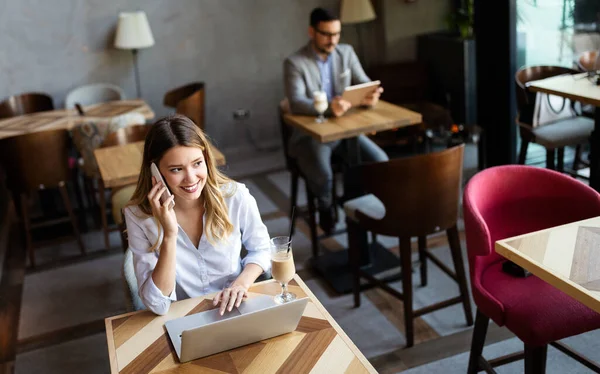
(103, 213)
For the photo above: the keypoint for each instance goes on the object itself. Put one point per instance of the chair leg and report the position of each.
(577, 157)
(312, 222)
(79, 197)
(407, 291)
(334, 198)
(93, 202)
(65, 196)
(535, 359)
(27, 227)
(103, 213)
(550, 153)
(479, 332)
(423, 259)
(294, 200)
(459, 268)
(560, 159)
(523, 151)
(354, 257)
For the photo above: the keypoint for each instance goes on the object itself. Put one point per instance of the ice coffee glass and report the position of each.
(282, 266)
(320, 104)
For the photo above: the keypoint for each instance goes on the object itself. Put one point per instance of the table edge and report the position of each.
(112, 357)
(342, 334)
(353, 134)
(565, 285)
(359, 355)
(584, 99)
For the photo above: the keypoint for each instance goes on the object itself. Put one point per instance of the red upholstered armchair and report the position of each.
(506, 201)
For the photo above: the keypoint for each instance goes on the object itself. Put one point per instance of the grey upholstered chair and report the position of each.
(134, 302)
(94, 94)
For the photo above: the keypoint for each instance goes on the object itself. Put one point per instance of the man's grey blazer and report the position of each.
(302, 78)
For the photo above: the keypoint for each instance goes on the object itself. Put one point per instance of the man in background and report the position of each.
(324, 65)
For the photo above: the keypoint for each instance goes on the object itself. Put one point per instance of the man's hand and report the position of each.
(339, 106)
(372, 98)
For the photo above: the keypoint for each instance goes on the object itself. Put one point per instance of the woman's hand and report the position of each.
(230, 297)
(164, 212)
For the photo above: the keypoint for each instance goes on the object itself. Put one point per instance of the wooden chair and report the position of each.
(37, 161)
(189, 101)
(121, 195)
(555, 136)
(410, 197)
(24, 104)
(126, 135)
(588, 61)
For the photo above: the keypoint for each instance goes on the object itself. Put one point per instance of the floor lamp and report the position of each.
(133, 33)
(355, 12)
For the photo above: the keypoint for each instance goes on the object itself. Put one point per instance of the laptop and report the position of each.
(258, 318)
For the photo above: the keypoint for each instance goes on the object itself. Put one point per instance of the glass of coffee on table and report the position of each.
(282, 266)
(320, 103)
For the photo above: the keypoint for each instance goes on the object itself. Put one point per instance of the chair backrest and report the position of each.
(525, 97)
(125, 135)
(420, 193)
(405, 82)
(588, 60)
(24, 104)
(35, 159)
(189, 101)
(506, 201)
(94, 94)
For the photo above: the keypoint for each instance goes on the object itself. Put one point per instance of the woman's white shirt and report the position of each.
(207, 268)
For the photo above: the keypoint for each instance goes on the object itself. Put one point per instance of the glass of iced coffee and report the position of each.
(320, 104)
(282, 266)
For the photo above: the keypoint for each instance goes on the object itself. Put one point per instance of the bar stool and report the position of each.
(410, 197)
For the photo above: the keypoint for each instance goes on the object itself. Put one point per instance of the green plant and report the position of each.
(462, 19)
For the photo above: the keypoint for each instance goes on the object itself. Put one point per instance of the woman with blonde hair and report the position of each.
(189, 245)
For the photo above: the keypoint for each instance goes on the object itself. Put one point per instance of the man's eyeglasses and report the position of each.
(329, 34)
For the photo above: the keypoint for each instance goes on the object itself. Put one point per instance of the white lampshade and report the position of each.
(133, 31)
(357, 11)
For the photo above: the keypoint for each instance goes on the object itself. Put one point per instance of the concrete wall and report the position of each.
(404, 21)
(235, 46)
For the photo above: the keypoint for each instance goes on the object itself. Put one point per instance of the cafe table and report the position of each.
(138, 342)
(69, 118)
(566, 256)
(384, 116)
(120, 166)
(577, 87)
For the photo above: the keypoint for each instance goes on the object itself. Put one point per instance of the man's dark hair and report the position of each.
(319, 15)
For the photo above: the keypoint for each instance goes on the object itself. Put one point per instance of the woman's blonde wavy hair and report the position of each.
(178, 130)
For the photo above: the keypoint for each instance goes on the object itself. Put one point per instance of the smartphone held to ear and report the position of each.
(156, 174)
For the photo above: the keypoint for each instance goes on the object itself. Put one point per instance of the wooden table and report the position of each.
(333, 266)
(138, 343)
(567, 257)
(68, 118)
(577, 87)
(120, 165)
(384, 116)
